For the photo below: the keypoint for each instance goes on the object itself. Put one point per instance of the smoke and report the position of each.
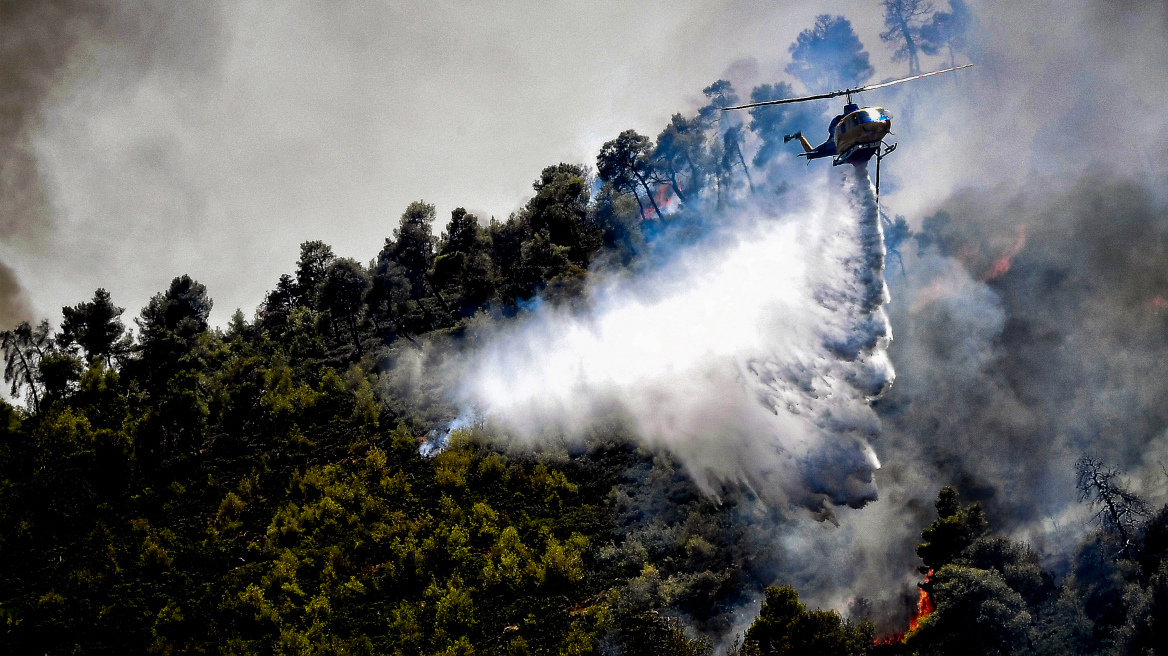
(1029, 311)
(38, 39)
(751, 356)
(61, 52)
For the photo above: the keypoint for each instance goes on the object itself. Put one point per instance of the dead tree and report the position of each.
(1118, 511)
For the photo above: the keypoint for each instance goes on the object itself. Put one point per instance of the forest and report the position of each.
(286, 485)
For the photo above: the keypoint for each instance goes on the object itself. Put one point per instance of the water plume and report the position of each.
(752, 357)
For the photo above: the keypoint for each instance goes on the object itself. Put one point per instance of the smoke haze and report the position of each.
(142, 141)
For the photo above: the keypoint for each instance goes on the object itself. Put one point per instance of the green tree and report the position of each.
(680, 154)
(903, 20)
(463, 267)
(343, 294)
(560, 208)
(278, 305)
(784, 627)
(388, 298)
(626, 163)
(947, 29)
(182, 310)
(829, 56)
(171, 372)
(977, 613)
(727, 149)
(507, 240)
(412, 248)
(315, 258)
(954, 529)
(650, 633)
(96, 327)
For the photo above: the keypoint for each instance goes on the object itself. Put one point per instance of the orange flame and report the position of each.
(663, 197)
(1157, 303)
(925, 607)
(1002, 265)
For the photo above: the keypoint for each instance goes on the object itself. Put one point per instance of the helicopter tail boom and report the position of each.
(807, 147)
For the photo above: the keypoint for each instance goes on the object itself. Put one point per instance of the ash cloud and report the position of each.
(1018, 372)
(1007, 375)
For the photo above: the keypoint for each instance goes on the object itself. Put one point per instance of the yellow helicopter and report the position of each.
(856, 134)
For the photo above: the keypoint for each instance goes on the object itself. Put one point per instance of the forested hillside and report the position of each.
(260, 489)
(290, 483)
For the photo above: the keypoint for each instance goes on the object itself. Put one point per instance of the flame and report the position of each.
(1002, 265)
(664, 197)
(925, 607)
(1157, 303)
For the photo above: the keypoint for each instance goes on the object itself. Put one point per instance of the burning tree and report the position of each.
(1118, 511)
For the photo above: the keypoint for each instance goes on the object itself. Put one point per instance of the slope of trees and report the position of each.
(259, 488)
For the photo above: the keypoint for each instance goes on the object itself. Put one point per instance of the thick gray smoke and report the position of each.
(51, 49)
(38, 39)
(1028, 310)
(1031, 330)
(753, 362)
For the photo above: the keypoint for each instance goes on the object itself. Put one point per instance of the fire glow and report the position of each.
(1002, 264)
(925, 608)
(925, 605)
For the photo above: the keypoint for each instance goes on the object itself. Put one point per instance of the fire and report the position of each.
(663, 197)
(925, 607)
(1002, 264)
(1158, 303)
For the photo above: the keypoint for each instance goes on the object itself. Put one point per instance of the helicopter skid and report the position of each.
(857, 153)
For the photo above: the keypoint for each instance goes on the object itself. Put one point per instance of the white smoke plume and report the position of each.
(753, 362)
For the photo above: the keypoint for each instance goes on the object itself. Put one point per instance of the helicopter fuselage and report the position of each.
(853, 136)
(857, 133)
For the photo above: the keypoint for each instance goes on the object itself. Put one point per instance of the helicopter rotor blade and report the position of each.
(844, 92)
(784, 101)
(907, 79)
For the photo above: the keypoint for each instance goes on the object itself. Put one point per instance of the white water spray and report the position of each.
(752, 362)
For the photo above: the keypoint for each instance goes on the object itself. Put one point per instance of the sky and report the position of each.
(212, 141)
(153, 140)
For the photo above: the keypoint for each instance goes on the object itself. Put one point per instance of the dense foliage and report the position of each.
(262, 488)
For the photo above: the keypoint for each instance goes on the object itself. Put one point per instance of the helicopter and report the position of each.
(855, 135)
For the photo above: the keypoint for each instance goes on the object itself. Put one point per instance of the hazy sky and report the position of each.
(213, 139)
